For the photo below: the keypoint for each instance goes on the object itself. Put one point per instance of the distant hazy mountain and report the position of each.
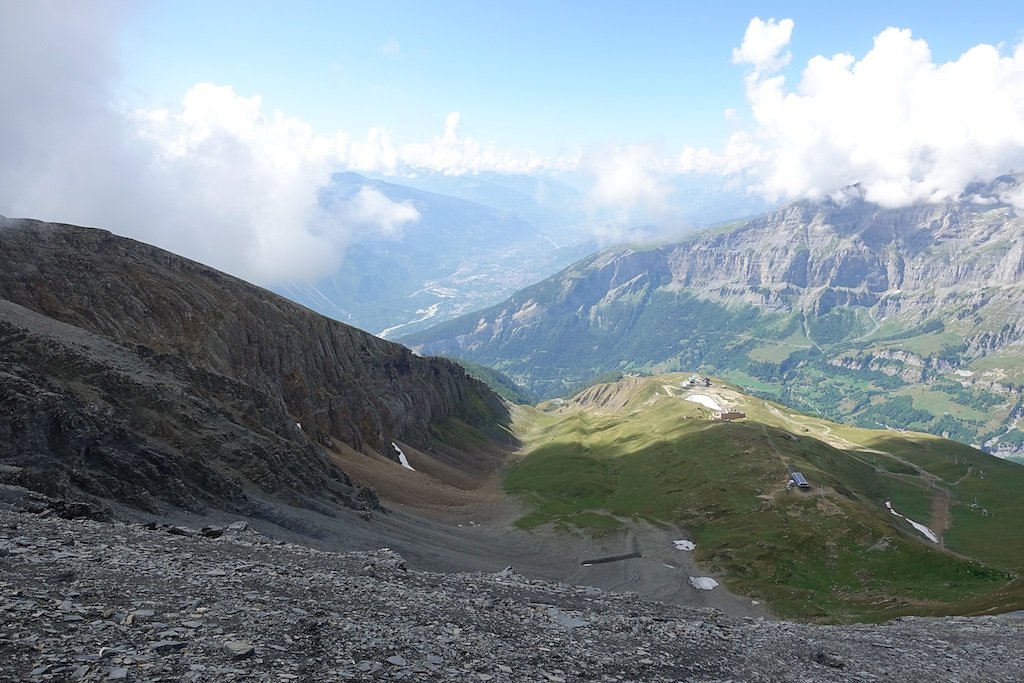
(479, 238)
(544, 201)
(562, 201)
(908, 318)
(459, 255)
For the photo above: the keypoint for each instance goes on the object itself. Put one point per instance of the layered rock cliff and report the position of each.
(136, 375)
(939, 284)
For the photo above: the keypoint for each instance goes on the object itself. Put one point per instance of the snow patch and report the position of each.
(924, 531)
(401, 457)
(704, 583)
(684, 545)
(705, 401)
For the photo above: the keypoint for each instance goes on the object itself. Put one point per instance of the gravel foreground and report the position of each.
(89, 601)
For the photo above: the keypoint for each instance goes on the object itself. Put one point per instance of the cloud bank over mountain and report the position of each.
(904, 127)
(222, 178)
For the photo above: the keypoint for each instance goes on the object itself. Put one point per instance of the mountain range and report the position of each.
(465, 242)
(139, 386)
(908, 318)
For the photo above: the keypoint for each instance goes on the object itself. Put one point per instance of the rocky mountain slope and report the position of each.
(909, 317)
(131, 375)
(162, 607)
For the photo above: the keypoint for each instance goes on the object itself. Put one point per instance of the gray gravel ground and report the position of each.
(90, 601)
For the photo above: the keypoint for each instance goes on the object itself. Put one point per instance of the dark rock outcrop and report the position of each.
(132, 374)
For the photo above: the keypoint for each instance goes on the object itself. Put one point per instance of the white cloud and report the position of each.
(391, 48)
(627, 177)
(629, 195)
(219, 178)
(222, 179)
(455, 155)
(904, 127)
(375, 212)
(55, 125)
(741, 153)
(244, 184)
(763, 44)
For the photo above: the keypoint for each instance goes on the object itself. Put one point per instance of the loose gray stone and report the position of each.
(239, 649)
(167, 646)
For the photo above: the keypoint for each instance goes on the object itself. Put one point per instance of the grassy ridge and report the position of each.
(832, 554)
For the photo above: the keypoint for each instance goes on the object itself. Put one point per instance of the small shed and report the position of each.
(798, 480)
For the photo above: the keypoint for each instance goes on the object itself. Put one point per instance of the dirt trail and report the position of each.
(970, 470)
(939, 522)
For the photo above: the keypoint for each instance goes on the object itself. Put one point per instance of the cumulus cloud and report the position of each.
(373, 211)
(244, 184)
(742, 152)
(218, 178)
(453, 154)
(763, 44)
(906, 128)
(55, 68)
(626, 177)
(630, 192)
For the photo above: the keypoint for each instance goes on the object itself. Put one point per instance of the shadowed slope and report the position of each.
(131, 373)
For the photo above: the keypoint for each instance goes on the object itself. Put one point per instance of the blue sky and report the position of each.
(208, 128)
(552, 77)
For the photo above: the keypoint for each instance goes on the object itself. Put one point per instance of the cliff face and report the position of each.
(940, 283)
(856, 246)
(200, 367)
(807, 257)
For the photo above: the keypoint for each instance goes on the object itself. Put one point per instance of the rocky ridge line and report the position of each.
(136, 377)
(337, 381)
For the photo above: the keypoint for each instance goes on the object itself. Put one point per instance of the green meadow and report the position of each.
(834, 553)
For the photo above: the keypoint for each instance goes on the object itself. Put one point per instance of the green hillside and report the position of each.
(836, 365)
(830, 553)
(873, 317)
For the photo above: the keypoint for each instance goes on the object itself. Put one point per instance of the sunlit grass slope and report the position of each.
(638, 448)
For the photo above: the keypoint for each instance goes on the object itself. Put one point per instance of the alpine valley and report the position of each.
(182, 446)
(455, 251)
(907, 318)
(461, 243)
